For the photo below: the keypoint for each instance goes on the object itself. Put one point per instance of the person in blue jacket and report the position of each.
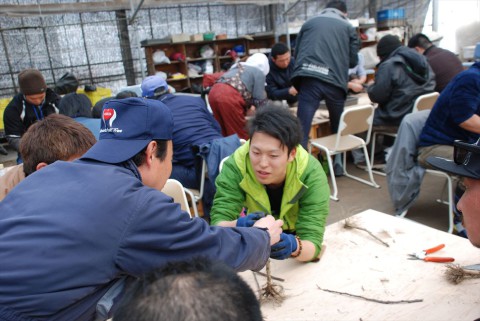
(194, 128)
(73, 234)
(279, 86)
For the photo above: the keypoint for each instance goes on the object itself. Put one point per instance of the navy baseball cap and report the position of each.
(153, 86)
(466, 160)
(127, 126)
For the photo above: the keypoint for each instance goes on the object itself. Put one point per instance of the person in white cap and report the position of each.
(238, 93)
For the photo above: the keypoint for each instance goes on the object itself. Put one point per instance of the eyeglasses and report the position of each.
(462, 151)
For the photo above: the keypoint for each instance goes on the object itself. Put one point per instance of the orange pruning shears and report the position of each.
(422, 255)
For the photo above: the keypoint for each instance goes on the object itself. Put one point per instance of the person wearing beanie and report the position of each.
(326, 47)
(34, 102)
(402, 75)
(445, 64)
(238, 92)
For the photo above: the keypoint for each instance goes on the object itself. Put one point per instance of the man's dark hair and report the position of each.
(279, 123)
(162, 145)
(420, 40)
(196, 290)
(279, 49)
(56, 137)
(340, 5)
(126, 94)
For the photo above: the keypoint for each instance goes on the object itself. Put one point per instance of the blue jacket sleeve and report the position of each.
(159, 232)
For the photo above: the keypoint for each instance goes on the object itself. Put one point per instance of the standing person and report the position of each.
(327, 47)
(445, 64)
(194, 128)
(73, 232)
(237, 94)
(34, 102)
(279, 85)
(56, 137)
(272, 173)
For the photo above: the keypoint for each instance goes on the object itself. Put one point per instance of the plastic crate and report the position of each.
(391, 17)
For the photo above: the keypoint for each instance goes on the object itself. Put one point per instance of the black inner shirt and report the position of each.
(275, 196)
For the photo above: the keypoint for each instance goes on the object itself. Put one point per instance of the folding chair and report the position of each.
(422, 102)
(174, 189)
(354, 120)
(450, 201)
(197, 194)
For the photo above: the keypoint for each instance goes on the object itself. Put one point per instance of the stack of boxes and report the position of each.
(391, 18)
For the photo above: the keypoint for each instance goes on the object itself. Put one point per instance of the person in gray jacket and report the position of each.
(402, 76)
(327, 47)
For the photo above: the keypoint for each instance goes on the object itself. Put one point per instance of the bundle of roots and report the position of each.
(456, 274)
(271, 292)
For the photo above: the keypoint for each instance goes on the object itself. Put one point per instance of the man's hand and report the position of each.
(284, 249)
(292, 91)
(274, 227)
(250, 219)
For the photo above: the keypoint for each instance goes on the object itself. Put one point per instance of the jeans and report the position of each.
(311, 92)
(190, 178)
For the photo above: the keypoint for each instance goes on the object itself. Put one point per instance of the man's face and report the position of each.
(269, 159)
(469, 205)
(282, 61)
(36, 99)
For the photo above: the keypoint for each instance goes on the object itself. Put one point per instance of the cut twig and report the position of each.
(349, 224)
(271, 291)
(370, 299)
(456, 274)
(273, 277)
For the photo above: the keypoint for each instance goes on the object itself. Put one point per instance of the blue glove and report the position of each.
(284, 248)
(250, 219)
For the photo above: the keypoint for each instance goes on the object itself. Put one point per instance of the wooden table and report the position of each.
(354, 262)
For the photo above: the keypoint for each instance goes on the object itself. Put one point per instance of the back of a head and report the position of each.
(198, 290)
(387, 45)
(259, 61)
(75, 105)
(56, 137)
(125, 94)
(419, 40)
(279, 123)
(336, 4)
(154, 86)
(279, 49)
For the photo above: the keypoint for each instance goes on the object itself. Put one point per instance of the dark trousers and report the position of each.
(311, 92)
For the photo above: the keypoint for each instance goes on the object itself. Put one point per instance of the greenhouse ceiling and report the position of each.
(59, 7)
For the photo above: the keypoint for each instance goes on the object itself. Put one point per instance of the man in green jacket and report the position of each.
(273, 174)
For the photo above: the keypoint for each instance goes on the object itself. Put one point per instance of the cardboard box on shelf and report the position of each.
(196, 37)
(181, 37)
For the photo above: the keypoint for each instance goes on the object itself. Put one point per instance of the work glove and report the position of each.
(284, 248)
(250, 219)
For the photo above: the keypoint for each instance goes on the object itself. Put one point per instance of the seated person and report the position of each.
(194, 127)
(97, 108)
(279, 86)
(190, 290)
(79, 107)
(272, 173)
(445, 64)
(455, 116)
(402, 76)
(357, 76)
(34, 102)
(56, 137)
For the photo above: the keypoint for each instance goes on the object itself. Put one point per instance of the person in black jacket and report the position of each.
(34, 102)
(279, 86)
